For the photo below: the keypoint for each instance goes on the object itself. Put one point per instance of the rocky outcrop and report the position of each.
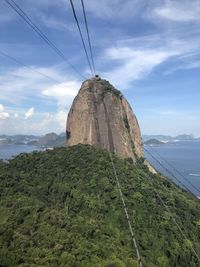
(102, 117)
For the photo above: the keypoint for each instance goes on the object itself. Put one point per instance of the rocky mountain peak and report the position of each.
(101, 116)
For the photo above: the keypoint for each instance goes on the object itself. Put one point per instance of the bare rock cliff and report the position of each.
(102, 117)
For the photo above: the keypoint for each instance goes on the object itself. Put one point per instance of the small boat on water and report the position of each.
(194, 174)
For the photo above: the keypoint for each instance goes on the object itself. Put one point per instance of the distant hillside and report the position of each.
(48, 140)
(165, 138)
(52, 140)
(62, 208)
(153, 142)
(184, 137)
(18, 139)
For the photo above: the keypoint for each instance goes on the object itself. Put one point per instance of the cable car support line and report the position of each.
(28, 20)
(28, 67)
(88, 35)
(126, 212)
(81, 35)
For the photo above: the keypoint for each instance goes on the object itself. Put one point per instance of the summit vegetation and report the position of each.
(62, 208)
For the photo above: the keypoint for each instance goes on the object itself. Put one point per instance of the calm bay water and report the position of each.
(184, 156)
(8, 151)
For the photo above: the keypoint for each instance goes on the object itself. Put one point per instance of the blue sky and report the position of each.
(150, 50)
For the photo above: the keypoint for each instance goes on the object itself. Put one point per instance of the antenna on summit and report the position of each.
(97, 77)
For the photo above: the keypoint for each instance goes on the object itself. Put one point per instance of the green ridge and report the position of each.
(62, 208)
(109, 88)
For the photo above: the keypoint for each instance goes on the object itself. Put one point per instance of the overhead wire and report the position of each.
(81, 35)
(43, 36)
(88, 36)
(28, 67)
(176, 170)
(126, 212)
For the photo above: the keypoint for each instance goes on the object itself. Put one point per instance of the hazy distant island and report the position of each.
(168, 138)
(154, 142)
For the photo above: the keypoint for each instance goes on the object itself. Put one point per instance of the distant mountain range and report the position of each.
(58, 140)
(48, 140)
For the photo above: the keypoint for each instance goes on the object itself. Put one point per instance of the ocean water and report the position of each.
(183, 155)
(9, 151)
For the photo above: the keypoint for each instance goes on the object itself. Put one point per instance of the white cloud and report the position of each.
(40, 123)
(135, 58)
(63, 92)
(50, 122)
(29, 113)
(3, 115)
(135, 64)
(180, 11)
(27, 84)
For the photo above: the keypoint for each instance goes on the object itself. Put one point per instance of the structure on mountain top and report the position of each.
(101, 116)
(97, 77)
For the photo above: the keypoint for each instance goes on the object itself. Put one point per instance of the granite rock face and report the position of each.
(102, 117)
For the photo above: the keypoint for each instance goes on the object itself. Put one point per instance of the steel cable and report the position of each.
(27, 19)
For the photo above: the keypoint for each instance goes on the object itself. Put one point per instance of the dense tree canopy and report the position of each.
(62, 208)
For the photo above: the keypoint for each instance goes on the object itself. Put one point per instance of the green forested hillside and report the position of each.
(62, 208)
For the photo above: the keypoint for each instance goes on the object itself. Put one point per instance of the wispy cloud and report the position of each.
(179, 11)
(134, 64)
(27, 83)
(135, 58)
